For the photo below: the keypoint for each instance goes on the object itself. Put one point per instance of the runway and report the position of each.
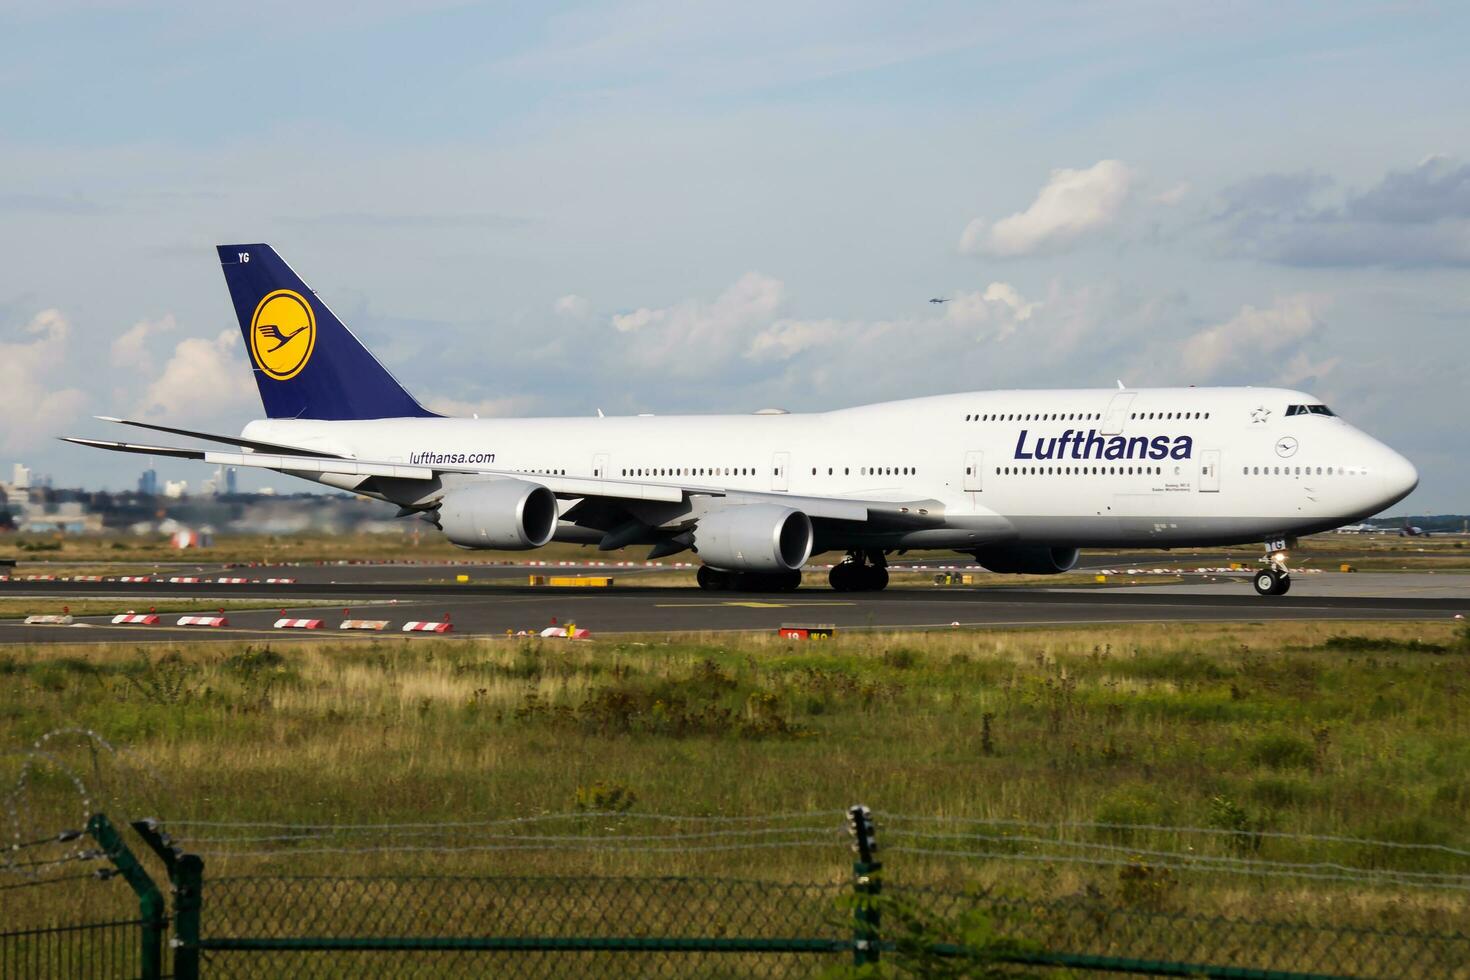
(495, 610)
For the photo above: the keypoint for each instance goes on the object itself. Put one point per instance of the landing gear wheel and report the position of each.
(858, 574)
(1268, 581)
(712, 579)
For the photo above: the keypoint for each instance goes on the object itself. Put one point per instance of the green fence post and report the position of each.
(186, 875)
(150, 900)
(867, 885)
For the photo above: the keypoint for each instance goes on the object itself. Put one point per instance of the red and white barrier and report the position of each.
(417, 626)
(135, 578)
(183, 580)
(363, 624)
(135, 619)
(231, 581)
(280, 581)
(49, 620)
(86, 578)
(298, 624)
(577, 633)
(203, 621)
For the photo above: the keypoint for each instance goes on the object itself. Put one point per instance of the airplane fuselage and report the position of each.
(1163, 467)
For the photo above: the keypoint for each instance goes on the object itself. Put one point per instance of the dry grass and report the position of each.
(1359, 730)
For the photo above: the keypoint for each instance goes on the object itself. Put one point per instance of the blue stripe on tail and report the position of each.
(307, 363)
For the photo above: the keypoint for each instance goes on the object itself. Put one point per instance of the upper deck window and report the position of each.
(1308, 410)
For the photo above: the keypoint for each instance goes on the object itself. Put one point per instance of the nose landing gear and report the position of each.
(1275, 578)
(860, 571)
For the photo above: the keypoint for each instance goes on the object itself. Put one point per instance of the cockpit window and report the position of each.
(1308, 410)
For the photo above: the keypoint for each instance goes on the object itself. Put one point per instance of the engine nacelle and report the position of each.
(509, 514)
(1027, 559)
(754, 538)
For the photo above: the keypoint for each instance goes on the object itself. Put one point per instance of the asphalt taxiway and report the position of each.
(498, 609)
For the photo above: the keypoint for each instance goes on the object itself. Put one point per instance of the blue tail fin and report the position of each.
(307, 363)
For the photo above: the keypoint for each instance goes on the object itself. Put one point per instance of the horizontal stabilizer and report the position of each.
(265, 447)
(133, 447)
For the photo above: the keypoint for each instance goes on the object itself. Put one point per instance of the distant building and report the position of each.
(202, 538)
(148, 483)
(231, 483)
(21, 477)
(67, 518)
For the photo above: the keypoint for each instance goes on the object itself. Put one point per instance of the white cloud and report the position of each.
(994, 314)
(694, 333)
(33, 412)
(1072, 205)
(1173, 195)
(571, 305)
(999, 306)
(132, 349)
(784, 339)
(1253, 335)
(202, 378)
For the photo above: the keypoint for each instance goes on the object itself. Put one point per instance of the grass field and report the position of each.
(1358, 730)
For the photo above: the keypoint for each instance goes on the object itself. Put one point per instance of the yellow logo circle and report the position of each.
(282, 334)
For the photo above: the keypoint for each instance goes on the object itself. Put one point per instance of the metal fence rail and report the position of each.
(333, 925)
(127, 945)
(94, 949)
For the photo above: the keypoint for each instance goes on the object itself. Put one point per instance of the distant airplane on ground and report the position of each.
(1412, 530)
(1018, 479)
(1357, 529)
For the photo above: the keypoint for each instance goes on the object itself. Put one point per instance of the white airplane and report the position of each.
(1357, 529)
(1019, 479)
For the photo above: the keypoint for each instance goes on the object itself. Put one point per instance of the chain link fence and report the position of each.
(864, 920)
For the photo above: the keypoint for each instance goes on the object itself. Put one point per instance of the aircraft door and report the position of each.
(599, 465)
(974, 464)
(780, 463)
(1209, 471)
(1117, 414)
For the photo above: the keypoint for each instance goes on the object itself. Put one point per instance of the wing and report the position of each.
(311, 465)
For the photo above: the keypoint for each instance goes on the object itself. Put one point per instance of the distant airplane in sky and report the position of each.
(1019, 479)
(936, 299)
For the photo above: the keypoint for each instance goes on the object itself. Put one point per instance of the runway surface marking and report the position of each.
(750, 604)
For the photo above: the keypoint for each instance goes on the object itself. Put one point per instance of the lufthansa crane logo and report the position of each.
(282, 334)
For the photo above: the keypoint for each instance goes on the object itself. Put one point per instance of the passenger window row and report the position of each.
(690, 471)
(1079, 470)
(1301, 471)
(1094, 416)
(1168, 416)
(1034, 417)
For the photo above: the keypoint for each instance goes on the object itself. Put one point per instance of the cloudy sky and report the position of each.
(691, 206)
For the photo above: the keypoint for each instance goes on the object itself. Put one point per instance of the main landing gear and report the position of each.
(1274, 579)
(860, 571)
(719, 580)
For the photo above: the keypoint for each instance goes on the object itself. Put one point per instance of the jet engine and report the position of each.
(510, 514)
(1027, 559)
(754, 538)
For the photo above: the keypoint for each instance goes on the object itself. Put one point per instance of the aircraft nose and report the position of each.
(1399, 477)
